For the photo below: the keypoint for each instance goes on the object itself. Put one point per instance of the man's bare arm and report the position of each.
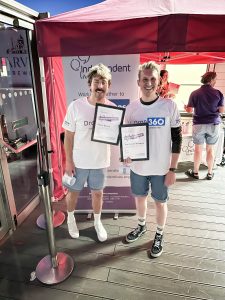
(68, 145)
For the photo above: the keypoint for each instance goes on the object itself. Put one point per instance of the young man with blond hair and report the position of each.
(165, 139)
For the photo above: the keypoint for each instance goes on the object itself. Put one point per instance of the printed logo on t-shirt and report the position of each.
(67, 123)
(153, 122)
(88, 123)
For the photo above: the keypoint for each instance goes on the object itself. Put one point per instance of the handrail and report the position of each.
(27, 145)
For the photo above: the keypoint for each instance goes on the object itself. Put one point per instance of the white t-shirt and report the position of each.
(161, 116)
(86, 153)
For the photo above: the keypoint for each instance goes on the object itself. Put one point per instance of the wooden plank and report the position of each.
(178, 287)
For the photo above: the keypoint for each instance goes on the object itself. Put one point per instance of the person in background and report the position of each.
(163, 89)
(165, 139)
(87, 160)
(164, 86)
(207, 103)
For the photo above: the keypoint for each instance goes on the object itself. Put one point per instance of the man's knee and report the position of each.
(97, 194)
(160, 205)
(209, 149)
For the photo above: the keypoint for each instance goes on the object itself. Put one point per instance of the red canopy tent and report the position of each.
(167, 31)
(184, 57)
(132, 26)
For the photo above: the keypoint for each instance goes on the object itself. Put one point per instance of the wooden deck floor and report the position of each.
(192, 265)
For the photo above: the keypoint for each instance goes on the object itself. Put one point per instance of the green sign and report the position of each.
(19, 123)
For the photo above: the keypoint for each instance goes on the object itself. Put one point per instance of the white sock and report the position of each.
(159, 229)
(97, 218)
(141, 221)
(72, 225)
(70, 215)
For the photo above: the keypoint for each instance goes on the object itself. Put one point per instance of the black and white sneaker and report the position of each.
(136, 233)
(157, 246)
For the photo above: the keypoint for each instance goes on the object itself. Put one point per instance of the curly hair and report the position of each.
(100, 70)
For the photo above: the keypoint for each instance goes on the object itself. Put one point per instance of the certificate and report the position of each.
(107, 121)
(134, 141)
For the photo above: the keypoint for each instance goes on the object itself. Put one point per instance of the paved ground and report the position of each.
(191, 267)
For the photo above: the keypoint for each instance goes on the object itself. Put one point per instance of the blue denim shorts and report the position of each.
(140, 186)
(95, 179)
(208, 133)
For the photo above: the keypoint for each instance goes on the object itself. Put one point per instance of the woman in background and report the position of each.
(164, 86)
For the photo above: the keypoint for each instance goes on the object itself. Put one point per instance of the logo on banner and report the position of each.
(121, 102)
(188, 148)
(78, 65)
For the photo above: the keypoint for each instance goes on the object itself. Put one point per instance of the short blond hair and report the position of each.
(149, 65)
(100, 70)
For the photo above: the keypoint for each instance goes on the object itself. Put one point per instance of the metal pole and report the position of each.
(59, 216)
(43, 179)
(56, 267)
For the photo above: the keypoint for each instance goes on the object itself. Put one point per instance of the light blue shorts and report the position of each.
(140, 186)
(208, 133)
(95, 179)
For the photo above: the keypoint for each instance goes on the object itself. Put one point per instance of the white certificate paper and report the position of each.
(134, 142)
(107, 121)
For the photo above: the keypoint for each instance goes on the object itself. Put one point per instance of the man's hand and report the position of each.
(188, 109)
(127, 161)
(170, 179)
(70, 168)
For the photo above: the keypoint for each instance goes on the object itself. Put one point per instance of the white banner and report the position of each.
(124, 70)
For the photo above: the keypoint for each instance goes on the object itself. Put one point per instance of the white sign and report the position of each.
(14, 50)
(124, 70)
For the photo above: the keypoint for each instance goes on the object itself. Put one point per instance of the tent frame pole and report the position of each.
(59, 216)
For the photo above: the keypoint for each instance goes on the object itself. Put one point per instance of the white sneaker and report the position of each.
(101, 232)
(72, 228)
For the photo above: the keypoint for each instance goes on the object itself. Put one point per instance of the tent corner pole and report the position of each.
(59, 216)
